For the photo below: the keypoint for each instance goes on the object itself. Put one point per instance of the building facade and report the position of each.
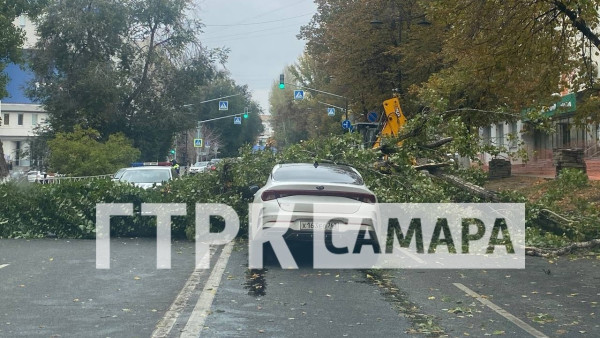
(19, 115)
(540, 145)
(19, 121)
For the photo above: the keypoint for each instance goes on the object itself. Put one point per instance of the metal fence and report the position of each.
(60, 179)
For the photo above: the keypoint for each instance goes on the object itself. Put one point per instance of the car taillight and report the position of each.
(366, 198)
(268, 195)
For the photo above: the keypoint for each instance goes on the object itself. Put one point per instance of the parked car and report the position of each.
(17, 176)
(36, 176)
(213, 163)
(148, 177)
(295, 189)
(199, 167)
(118, 174)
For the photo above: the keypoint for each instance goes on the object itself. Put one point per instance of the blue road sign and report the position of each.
(372, 117)
(298, 94)
(223, 105)
(197, 143)
(346, 124)
(331, 111)
(237, 120)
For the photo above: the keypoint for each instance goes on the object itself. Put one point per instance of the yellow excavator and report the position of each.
(393, 121)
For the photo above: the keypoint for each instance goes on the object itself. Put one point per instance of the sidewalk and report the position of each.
(546, 169)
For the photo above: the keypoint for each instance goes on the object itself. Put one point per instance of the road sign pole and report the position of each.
(346, 108)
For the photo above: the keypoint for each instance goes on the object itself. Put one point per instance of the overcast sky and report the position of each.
(261, 35)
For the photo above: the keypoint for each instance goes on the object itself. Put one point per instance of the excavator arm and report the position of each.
(393, 122)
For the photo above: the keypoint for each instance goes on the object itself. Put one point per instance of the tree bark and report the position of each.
(578, 23)
(530, 251)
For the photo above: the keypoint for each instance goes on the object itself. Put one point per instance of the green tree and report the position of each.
(120, 67)
(294, 120)
(232, 136)
(368, 51)
(80, 153)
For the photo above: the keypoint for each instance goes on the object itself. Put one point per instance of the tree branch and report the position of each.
(579, 23)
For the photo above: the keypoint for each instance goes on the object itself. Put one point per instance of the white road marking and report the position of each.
(529, 329)
(195, 323)
(3, 265)
(165, 325)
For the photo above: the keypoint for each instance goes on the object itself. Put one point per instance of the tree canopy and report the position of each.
(80, 153)
(500, 56)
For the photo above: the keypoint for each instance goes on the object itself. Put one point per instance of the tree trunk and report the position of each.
(3, 164)
(562, 251)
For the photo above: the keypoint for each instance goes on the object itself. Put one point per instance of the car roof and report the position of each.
(149, 167)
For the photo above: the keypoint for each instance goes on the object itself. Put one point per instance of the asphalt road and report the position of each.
(50, 288)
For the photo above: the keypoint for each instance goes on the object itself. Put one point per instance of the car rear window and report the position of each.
(146, 176)
(320, 174)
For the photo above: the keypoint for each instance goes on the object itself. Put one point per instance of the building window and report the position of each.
(6, 120)
(22, 21)
(565, 131)
(487, 135)
(20, 119)
(34, 119)
(514, 134)
(500, 134)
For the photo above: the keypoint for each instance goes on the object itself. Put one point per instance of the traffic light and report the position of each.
(172, 151)
(246, 112)
(281, 82)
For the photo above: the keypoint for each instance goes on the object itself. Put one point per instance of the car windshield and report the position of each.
(201, 164)
(119, 173)
(320, 174)
(146, 176)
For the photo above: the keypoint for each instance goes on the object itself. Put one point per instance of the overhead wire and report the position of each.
(246, 33)
(260, 23)
(246, 36)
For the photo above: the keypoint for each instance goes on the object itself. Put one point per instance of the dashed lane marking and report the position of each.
(528, 328)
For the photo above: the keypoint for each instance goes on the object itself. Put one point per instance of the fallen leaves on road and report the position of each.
(541, 318)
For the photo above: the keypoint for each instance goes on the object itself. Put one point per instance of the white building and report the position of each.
(18, 123)
(19, 115)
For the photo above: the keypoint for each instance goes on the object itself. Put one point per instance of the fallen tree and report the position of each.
(531, 251)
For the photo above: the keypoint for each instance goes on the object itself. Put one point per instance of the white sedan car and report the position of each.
(147, 177)
(299, 198)
(199, 167)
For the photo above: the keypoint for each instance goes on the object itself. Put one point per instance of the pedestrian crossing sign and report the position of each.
(223, 105)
